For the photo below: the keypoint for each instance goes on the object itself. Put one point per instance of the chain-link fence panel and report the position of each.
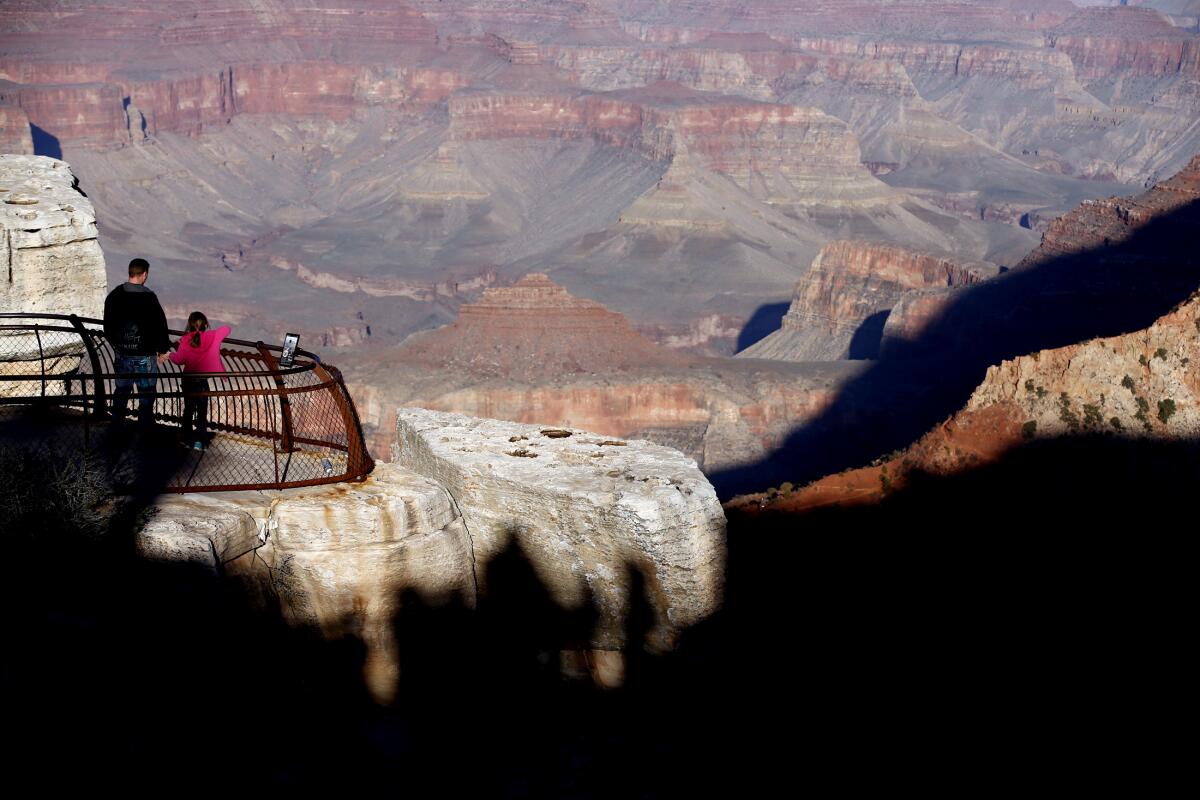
(267, 427)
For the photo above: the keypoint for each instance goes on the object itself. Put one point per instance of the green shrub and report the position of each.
(1165, 409)
(1029, 429)
(1127, 382)
(1116, 424)
(1161, 354)
(1143, 406)
(1066, 414)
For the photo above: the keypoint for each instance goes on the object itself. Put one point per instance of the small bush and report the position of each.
(1165, 409)
(1116, 424)
(1143, 407)
(1066, 414)
(1029, 429)
(1029, 385)
(1127, 382)
(1143, 360)
(57, 494)
(1091, 415)
(1161, 354)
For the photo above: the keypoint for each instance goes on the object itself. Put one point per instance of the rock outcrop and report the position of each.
(16, 136)
(535, 329)
(338, 559)
(50, 260)
(585, 511)
(1142, 385)
(1100, 224)
(841, 304)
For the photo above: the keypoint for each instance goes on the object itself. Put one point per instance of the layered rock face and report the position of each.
(841, 304)
(533, 353)
(1141, 385)
(534, 330)
(585, 511)
(1140, 41)
(1097, 224)
(15, 135)
(679, 163)
(780, 153)
(51, 260)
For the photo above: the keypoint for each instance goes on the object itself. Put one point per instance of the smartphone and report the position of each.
(290, 343)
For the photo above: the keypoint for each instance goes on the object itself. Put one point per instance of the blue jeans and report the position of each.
(143, 365)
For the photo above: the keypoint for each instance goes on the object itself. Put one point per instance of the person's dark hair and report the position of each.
(196, 322)
(139, 266)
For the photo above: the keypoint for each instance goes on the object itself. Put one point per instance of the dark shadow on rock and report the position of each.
(864, 344)
(1104, 291)
(762, 323)
(45, 143)
(1019, 618)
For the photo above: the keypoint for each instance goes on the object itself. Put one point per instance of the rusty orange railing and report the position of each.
(273, 427)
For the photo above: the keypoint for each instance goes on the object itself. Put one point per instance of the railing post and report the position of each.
(101, 402)
(285, 409)
(37, 333)
(359, 462)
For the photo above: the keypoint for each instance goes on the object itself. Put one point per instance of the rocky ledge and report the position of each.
(586, 512)
(48, 247)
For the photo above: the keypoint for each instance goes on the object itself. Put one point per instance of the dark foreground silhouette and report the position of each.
(1024, 624)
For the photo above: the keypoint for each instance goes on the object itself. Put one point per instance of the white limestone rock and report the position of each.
(339, 558)
(50, 260)
(205, 530)
(584, 510)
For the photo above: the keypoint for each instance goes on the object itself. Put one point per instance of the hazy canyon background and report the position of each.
(575, 212)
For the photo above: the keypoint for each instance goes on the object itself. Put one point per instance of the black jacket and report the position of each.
(134, 322)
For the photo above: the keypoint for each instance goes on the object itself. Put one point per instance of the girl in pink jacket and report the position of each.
(199, 350)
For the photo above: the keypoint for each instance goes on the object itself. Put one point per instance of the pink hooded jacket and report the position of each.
(206, 357)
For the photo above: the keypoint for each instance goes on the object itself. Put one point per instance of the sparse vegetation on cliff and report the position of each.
(1066, 414)
(48, 493)
(1143, 407)
(1165, 409)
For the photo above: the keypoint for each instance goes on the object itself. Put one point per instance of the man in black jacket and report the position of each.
(136, 327)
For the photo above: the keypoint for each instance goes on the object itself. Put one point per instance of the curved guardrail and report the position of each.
(273, 427)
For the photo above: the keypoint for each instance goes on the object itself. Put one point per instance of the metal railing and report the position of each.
(271, 427)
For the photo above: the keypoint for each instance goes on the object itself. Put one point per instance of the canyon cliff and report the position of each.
(720, 141)
(1104, 371)
(534, 353)
(840, 305)
(1139, 386)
